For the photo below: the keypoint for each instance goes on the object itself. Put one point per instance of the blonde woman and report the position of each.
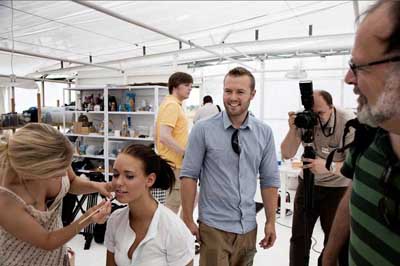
(146, 232)
(35, 175)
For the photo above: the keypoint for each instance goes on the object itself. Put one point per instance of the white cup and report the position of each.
(131, 133)
(117, 133)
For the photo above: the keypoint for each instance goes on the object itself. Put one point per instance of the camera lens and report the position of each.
(305, 120)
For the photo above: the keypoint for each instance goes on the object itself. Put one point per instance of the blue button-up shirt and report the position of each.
(228, 181)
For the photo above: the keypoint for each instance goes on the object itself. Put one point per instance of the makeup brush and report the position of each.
(93, 213)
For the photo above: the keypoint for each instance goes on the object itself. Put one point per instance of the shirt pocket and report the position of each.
(217, 154)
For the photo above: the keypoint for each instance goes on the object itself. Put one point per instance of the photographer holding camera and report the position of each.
(321, 128)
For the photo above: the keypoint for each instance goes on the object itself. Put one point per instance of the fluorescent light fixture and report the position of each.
(296, 73)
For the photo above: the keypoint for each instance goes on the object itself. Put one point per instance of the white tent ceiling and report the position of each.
(67, 29)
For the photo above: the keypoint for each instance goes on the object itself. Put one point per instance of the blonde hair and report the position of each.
(33, 152)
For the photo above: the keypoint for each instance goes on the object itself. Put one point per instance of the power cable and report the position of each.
(314, 240)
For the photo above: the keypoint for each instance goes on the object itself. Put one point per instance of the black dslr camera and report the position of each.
(306, 119)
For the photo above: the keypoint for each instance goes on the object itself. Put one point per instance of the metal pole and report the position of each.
(43, 102)
(57, 59)
(262, 92)
(12, 99)
(356, 9)
(69, 94)
(33, 79)
(39, 107)
(166, 34)
(325, 43)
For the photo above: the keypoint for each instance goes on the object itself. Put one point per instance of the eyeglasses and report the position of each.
(235, 141)
(354, 67)
(389, 208)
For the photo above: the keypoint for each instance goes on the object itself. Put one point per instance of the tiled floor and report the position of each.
(278, 255)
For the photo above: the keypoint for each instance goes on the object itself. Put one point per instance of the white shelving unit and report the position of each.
(140, 120)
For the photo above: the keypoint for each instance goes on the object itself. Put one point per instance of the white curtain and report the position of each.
(5, 85)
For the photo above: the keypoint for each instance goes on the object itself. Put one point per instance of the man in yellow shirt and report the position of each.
(173, 130)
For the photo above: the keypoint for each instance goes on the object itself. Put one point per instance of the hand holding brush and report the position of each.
(100, 212)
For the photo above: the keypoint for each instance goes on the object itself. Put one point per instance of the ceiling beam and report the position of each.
(38, 79)
(153, 29)
(356, 9)
(13, 51)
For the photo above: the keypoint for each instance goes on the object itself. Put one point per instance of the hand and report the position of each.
(292, 116)
(328, 259)
(104, 188)
(270, 236)
(102, 210)
(316, 166)
(193, 228)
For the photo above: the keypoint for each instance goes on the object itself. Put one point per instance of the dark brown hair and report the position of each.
(153, 163)
(207, 99)
(177, 79)
(241, 71)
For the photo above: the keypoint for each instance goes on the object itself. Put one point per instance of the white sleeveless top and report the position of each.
(15, 252)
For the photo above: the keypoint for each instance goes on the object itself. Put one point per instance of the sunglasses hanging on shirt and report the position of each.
(235, 142)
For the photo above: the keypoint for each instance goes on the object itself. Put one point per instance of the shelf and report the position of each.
(85, 112)
(89, 156)
(91, 171)
(130, 88)
(131, 113)
(86, 88)
(129, 138)
(152, 94)
(83, 135)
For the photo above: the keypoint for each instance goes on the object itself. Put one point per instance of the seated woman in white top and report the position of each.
(145, 233)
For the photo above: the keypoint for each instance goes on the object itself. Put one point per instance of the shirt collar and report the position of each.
(383, 141)
(248, 122)
(153, 228)
(173, 98)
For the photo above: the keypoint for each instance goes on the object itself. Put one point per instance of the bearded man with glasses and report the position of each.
(370, 209)
(227, 153)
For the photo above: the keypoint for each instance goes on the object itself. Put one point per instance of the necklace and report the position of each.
(34, 200)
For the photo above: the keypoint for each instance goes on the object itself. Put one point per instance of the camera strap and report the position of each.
(323, 127)
(363, 137)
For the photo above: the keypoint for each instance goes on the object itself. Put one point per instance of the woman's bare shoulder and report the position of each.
(9, 201)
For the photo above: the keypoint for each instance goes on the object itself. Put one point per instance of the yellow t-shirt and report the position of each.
(171, 114)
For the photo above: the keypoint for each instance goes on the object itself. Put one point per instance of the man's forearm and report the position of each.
(188, 195)
(270, 200)
(290, 144)
(171, 143)
(340, 230)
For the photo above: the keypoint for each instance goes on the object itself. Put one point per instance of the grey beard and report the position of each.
(365, 116)
(387, 106)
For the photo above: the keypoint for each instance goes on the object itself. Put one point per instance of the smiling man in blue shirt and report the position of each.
(227, 153)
